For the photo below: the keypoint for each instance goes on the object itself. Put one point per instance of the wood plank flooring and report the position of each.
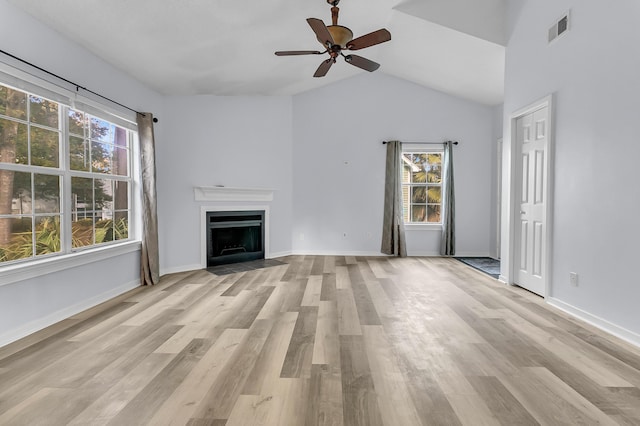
(323, 341)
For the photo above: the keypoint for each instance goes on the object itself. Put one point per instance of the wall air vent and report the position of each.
(560, 27)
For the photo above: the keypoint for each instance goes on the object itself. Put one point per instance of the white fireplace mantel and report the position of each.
(226, 193)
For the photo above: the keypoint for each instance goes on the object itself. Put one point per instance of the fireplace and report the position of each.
(235, 236)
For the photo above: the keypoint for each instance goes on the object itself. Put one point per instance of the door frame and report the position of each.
(510, 211)
(498, 215)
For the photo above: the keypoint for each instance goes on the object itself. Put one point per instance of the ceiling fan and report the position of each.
(336, 38)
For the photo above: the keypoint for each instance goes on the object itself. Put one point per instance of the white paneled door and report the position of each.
(530, 240)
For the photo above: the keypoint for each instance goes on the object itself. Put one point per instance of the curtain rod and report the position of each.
(78, 87)
(425, 143)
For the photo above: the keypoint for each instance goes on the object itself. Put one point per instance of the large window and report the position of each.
(65, 179)
(422, 186)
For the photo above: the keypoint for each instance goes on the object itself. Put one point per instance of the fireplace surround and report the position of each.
(232, 199)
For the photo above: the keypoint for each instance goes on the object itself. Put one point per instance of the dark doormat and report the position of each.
(232, 268)
(485, 264)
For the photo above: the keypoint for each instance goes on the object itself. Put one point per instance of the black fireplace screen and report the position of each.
(234, 236)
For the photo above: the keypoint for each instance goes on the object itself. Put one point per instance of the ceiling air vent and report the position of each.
(559, 28)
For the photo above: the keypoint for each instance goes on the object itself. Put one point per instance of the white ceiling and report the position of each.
(189, 47)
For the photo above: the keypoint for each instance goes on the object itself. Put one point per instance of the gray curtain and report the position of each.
(150, 261)
(448, 243)
(393, 241)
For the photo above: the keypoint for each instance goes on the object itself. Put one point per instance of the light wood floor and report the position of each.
(323, 341)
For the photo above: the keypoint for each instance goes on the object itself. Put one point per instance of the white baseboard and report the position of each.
(424, 254)
(620, 332)
(183, 268)
(280, 254)
(337, 253)
(42, 323)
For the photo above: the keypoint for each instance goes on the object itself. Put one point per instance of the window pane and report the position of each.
(15, 239)
(121, 225)
(47, 235)
(79, 153)
(13, 103)
(434, 168)
(433, 213)
(104, 231)
(121, 162)
(81, 229)
(43, 112)
(104, 197)
(405, 164)
(47, 193)
(13, 140)
(102, 131)
(419, 194)
(15, 186)
(434, 194)
(101, 157)
(418, 174)
(76, 122)
(81, 195)
(418, 213)
(44, 147)
(121, 195)
(122, 140)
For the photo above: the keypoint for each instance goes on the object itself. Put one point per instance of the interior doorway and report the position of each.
(531, 134)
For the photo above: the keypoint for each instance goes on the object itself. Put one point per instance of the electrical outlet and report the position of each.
(301, 237)
(573, 279)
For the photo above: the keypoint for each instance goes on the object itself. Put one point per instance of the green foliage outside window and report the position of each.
(48, 236)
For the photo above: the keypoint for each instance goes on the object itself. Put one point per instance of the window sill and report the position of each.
(423, 227)
(32, 269)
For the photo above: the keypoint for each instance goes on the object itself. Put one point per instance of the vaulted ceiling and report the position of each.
(189, 47)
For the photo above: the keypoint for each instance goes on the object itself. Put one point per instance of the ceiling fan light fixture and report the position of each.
(341, 35)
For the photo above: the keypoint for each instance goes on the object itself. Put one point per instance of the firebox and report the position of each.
(234, 236)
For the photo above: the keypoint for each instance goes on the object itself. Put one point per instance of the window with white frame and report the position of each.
(65, 178)
(422, 186)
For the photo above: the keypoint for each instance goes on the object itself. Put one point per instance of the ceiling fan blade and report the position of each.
(322, 33)
(370, 39)
(324, 68)
(298, 52)
(360, 62)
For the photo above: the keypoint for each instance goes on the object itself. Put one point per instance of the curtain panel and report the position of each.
(448, 242)
(393, 238)
(150, 258)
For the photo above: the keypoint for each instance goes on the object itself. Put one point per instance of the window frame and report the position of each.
(68, 256)
(409, 148)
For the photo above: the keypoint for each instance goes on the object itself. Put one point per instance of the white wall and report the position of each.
(338, 163)
(217, 140)
(593, 73)
(30, 304)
